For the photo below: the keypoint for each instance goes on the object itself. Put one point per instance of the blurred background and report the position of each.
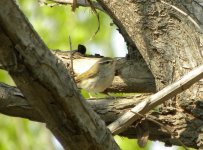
(55, 25)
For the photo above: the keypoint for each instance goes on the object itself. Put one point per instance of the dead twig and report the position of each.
(71, 57)
(82, 3)
(98, 18)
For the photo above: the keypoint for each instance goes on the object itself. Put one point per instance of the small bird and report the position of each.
(99, 77)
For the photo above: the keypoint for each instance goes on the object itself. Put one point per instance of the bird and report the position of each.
(99, 77)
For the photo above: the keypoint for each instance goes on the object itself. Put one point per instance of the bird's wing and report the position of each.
(91, 73)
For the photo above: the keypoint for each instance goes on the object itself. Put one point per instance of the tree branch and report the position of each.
(13, 103)
(149, 103)
(131, 75)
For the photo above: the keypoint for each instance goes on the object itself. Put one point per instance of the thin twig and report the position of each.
(71, 57)
(98, 18)
(79, 3)
(85, 3)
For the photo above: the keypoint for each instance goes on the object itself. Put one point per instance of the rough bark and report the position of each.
(168, 36)
(13, 103)
(156, 99)
(43, 79)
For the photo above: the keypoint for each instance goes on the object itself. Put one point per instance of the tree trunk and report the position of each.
(169, 37)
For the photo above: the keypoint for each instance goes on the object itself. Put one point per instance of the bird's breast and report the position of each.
(98, 83)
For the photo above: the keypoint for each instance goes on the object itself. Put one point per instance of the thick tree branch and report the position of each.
(149, 103)
(13, 103)
(44, 81)
(131, 75)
